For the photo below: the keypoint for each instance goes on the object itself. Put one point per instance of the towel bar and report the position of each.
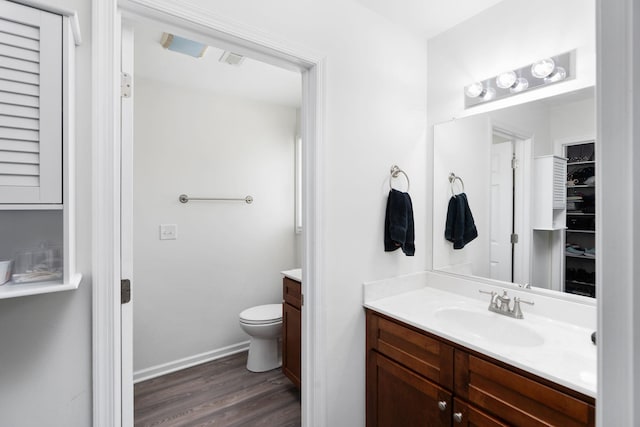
(184, 199)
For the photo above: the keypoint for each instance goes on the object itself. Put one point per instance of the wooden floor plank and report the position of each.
(222, 393)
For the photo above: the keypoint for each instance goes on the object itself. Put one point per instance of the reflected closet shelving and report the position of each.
(580, 234)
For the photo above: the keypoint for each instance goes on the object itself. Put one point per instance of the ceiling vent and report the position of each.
(182, 45)
(232, 58)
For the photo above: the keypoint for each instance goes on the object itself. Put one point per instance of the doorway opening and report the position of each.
(206, 132)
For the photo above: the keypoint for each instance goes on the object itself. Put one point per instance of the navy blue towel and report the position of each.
(398, 223)
(460, 228)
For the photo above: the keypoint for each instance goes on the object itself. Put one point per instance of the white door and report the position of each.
(501, 210)
(126, 227)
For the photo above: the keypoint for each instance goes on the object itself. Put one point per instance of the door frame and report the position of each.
(108, 349)
(523, 146)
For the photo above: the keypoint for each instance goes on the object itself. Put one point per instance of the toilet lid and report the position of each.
(262, 314)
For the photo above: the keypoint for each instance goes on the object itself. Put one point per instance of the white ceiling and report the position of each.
(259, 81)
(252, 79)
(427, 18)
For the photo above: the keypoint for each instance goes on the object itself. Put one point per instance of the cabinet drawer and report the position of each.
(516, 399)
(292, 292)
(415, 350)
(466, 415)
(397, 396)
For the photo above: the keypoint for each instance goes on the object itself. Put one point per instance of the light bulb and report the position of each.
(543, 68)
(559, 74)
(506, 80)
(520, 85)
(489, 94)
(474, 90)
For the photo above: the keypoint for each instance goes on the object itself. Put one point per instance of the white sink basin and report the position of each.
(490, 326)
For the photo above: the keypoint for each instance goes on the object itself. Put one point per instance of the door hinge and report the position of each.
(514, 238)
(514, 163)
(125, 85)
(125, 291)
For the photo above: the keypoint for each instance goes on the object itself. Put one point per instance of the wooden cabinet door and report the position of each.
(518, 400)
(466, 415)
(397, 396)
(291, 343)
(426, 355)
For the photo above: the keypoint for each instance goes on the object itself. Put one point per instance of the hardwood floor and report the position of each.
(218, 393)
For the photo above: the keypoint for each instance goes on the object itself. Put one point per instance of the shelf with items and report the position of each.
(580, 288)
(580, 232)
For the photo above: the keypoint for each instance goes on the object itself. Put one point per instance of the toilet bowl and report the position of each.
(263, 323)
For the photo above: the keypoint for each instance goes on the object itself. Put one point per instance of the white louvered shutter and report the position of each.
(30, 105)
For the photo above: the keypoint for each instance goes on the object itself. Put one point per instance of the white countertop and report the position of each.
(295, 274)
(564, 353)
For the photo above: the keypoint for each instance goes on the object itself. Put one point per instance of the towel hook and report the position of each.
(452, 180)
(394, 172)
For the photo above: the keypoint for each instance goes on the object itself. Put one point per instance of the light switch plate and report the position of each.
(168, 231)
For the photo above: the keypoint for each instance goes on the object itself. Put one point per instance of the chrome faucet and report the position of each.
(501, 304)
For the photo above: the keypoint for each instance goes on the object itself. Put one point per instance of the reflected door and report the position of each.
(501, 228)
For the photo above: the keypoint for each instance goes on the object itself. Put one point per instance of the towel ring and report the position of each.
(395, 171)
(452, 180)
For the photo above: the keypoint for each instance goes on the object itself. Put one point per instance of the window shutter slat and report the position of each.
(21, 100)
(19, 65)
(19, 88)
(19, 53)
(19, 111)
(21, 146)
(19, 122)
(19, 169)
(23, 158)
(22, 30)
(19, 76)
(19, 42)
(19, 180)
(19, 134)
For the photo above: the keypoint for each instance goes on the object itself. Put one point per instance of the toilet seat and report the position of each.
(262, 314)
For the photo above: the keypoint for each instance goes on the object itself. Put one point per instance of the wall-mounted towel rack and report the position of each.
(395, 171)
(452, 180)
(184, 199)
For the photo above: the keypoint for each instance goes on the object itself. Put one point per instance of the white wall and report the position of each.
(45, 350)
(573, 120)
(374, 113)
(228, 255)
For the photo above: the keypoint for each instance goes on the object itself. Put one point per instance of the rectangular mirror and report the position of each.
(506, 161)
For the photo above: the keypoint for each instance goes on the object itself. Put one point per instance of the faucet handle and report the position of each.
(517, 312)
(492, 303)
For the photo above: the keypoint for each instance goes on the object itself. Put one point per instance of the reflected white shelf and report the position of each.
(31, 207)
(11, 290)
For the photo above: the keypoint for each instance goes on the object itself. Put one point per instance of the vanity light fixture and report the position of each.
(542, 72)
(478, 90)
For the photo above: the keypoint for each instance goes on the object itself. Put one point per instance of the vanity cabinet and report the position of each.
(291, 329)
(416, 379)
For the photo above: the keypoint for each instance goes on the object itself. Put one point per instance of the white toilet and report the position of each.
(263, 323)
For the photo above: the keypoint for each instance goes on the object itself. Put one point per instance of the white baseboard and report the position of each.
(187, 362)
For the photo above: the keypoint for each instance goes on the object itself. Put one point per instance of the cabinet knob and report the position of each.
(442, 405)
(457, 417)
